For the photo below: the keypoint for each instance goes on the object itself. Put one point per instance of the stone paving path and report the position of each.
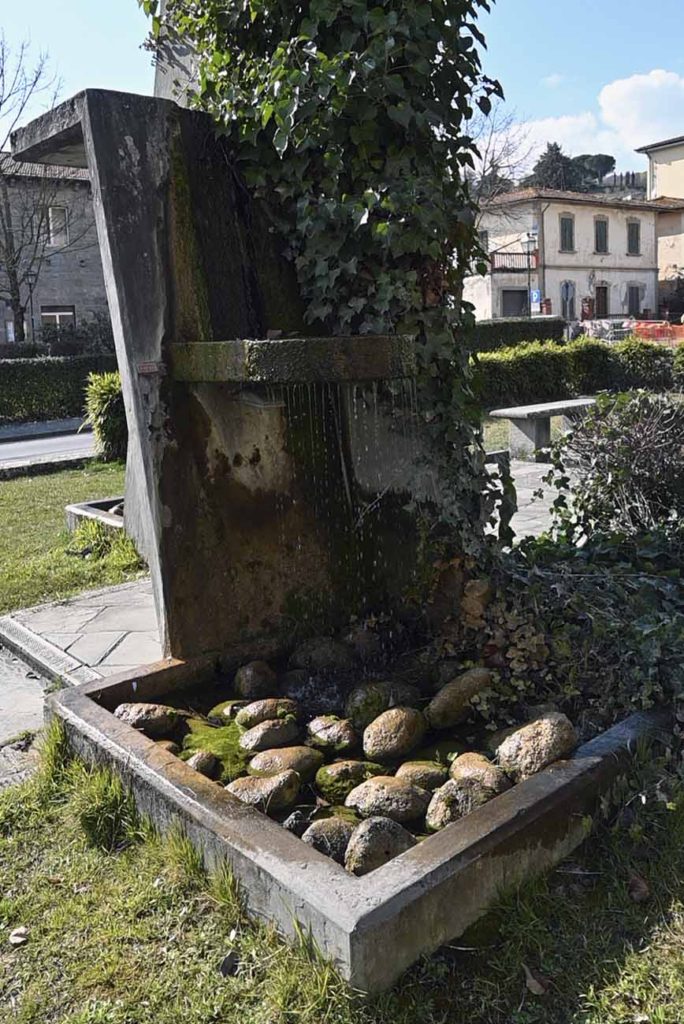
(21, 711)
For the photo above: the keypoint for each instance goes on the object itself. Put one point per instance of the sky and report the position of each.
(593, 75)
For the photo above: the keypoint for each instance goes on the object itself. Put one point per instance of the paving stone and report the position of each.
(91, 648)
(135, 649)
(21, 698)
(122, 619)
(59, 618)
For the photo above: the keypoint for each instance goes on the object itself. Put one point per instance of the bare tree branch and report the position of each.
(27, 193)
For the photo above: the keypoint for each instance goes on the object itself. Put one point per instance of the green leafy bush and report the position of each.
(627, 459)
(106, 414)
(644, 365)
(489, 335)
(545, 371)
(45, 389)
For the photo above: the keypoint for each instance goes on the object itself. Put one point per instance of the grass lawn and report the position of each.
(34, 563)
(137, 936)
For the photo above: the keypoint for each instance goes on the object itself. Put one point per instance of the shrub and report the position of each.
(106, 414)
(489, 335)
(627, 458)
(87, 337)
(644, 365)
(535, 372)
(545, 372)
(590, 367)
(48, 388)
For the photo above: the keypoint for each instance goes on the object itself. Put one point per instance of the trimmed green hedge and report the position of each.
(47, 389)
(546, 372)
(490, 335)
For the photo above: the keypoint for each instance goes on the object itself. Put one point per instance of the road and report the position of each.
(42, 449)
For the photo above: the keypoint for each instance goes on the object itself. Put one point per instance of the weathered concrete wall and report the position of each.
(244, 499)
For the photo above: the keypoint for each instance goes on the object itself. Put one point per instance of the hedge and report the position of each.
(47, 389)
(546, 372)
(490, 335)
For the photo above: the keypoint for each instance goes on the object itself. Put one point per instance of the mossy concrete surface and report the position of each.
(297, 360)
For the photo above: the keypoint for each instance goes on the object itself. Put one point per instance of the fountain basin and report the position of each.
(372, 927)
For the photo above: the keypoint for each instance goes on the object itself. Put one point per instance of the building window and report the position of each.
(568, 300)
(634, 300)
(567, 233)
(601, 235)
(602, 304)
(57, 316)
(484, 240)
(58, 226)
(633, 238)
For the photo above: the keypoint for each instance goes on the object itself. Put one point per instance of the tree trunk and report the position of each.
(18, 311)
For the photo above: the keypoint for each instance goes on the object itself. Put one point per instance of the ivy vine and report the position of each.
(350, 120)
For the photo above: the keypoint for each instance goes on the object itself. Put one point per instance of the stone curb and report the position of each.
(43, 428)
(49, 464)
(43, 656)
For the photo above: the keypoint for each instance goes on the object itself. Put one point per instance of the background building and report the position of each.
(666, 188)
(50, 215)
(578, 254)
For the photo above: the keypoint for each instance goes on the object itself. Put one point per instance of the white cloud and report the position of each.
(553, 81)
(630, 112)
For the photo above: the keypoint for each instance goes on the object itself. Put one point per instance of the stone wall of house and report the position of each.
(67, 276)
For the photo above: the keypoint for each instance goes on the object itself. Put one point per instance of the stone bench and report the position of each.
(530, 425)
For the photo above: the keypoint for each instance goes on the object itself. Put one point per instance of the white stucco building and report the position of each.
(666, 188)
(582, 255)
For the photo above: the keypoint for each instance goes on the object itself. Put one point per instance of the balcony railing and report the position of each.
(513, 262)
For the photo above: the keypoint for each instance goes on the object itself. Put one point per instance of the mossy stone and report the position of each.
(335, 781)
(226, 710)
(221, 741)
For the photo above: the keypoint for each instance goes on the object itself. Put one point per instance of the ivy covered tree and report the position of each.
(349, 119)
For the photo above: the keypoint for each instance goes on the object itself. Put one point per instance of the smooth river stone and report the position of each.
(426, 774)
(272, 793)
(389, 797)
(451, 705)
(266, 710)
(256, 680)
(303, 760)
(330, 836)
(206, 763)
(394, 734)
(369, 700)
(454, 800)
(270, 734)
(375, 842)
(536, 745)
(335, 781)
(332, 734)
(156, 721)
(477, 766)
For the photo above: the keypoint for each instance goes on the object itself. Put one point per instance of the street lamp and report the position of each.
(529, 244)
(31, 278)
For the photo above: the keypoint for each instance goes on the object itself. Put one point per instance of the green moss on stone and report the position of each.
(222, 741)
(336, 786)
(218, 714)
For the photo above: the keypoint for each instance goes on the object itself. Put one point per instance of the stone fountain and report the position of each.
(271, 481)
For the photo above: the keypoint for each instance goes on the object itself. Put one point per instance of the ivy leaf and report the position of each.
(402, 114)
(281, 140)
